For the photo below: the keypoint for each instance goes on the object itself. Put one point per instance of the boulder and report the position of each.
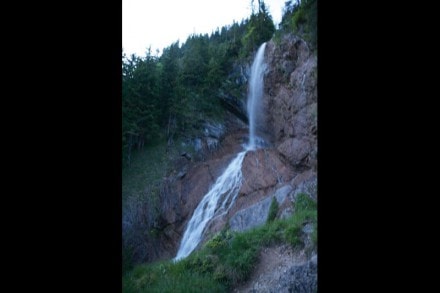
(256, 215)
(262, 169)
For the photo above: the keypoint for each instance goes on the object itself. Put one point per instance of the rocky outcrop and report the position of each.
(208, 139)
(295, 150)
(282, 269)
(256, 215)
(291, 100)
(234, 88)
(299, 278)
(262, 169)
(305, 182)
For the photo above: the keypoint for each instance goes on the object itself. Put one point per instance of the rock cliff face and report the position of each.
(291, 89)
(284, 169)
(290, 163)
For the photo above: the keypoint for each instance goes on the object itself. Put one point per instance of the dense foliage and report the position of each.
(172, 94)
(300, 17)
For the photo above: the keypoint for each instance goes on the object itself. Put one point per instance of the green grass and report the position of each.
(224, 261)
(148, 166)
(169, 277)
(273, 209)
(305, 211)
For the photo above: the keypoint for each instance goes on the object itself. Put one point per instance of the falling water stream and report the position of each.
(223, 193)
(255, 93)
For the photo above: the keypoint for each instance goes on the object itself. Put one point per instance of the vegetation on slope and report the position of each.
(171, 95)
(226, 260)
(301, 18)
(142, 184)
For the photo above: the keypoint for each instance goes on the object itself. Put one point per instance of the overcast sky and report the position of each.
(158, 23)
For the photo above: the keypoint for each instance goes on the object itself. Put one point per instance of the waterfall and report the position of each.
(223, 193)
(226, 187)
(255, 93)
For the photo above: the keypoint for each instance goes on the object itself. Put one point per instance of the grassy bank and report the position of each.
(226, 260)
(147, 167)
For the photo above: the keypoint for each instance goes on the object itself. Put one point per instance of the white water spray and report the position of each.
(255, 93)
(222, 195)
(226, 187)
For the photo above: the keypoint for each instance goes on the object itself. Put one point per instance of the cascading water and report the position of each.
(228, 184)
(255, 93)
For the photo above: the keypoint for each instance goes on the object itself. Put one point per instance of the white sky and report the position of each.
(159, 23)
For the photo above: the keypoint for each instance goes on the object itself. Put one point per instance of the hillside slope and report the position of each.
(284, 169)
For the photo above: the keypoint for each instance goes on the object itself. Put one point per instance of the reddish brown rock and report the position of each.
(263, 169)
(295, 150)
(291, 100)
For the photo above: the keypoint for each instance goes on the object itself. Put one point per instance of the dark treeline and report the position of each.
(169, 96)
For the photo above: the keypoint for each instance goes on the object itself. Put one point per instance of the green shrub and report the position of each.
(273, 210)
(219, 241)
(301, 18)
(305, 211)
(293, 233)
(315, 233)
